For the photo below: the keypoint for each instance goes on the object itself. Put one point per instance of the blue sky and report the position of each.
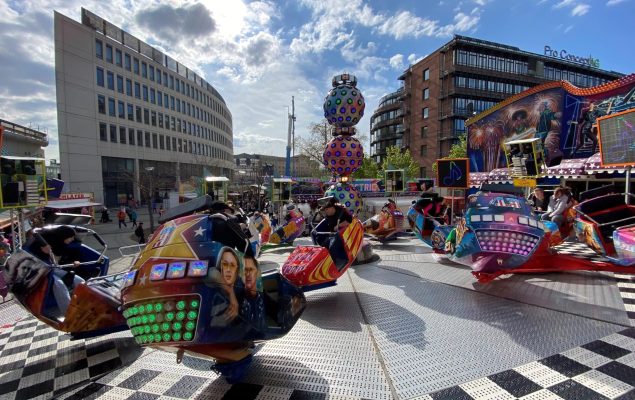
(260, 53)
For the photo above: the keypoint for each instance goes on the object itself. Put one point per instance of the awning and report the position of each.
(594, 166)
(499, 175)
(478, 178)
(573, 168)
(72, 203)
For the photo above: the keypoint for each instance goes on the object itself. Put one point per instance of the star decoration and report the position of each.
(199, 231)
(143, 279)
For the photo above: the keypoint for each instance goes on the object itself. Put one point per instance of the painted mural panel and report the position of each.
(560, 114)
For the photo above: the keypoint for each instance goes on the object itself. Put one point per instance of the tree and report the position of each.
(398, 159)
(458, 150)
(368, 170)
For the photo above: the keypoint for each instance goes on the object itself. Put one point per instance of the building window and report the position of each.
(145, 93)
(424, 131)
(100, 77)
(113, 133)
(111, 107)
(120, 83)
(160, 120)
(109, 53)
(121, 108)
(423, 173)
(154, 141)
(138, 114)
(135, 65)
(159, 99)
(130, 112)
(165, 100)
(127, 63)
(118, 57)
(154, 118)
(147, 139)
(158, 76)
(122, 135)
(152, 96)
(144, 69)
(423, 152)
(426, 94)
(101, 104)
(137, 90)
(151, 73)
(424, 112)
(131, 136)
(99, 49)
(128, 87)
(168, 143)
(139, 138)
(146, 116)
(426, 74)
(177, 85)
(173, 144)
(161, 142)
(110, 79)
(102, 132)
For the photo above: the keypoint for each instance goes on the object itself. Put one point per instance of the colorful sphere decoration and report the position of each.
(343, 155)
(344, 104)
(347, 196)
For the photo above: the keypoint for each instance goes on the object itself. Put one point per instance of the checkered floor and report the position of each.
(579, 250)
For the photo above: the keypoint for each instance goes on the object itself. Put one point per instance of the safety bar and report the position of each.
(80, 229)
(614, 222)
(138, 247)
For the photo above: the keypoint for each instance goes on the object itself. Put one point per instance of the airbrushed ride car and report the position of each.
(197, 288)
(499, 235)
(607, 225)
(386, 224)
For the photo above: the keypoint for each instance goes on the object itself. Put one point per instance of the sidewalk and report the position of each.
(115, 237)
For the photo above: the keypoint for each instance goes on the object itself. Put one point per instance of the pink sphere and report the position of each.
(343, 155)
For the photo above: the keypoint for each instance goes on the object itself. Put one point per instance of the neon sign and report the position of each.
(563, 54)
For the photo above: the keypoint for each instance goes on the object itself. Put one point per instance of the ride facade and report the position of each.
(311, 267)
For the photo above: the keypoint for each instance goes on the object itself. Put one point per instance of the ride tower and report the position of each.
(343, 108)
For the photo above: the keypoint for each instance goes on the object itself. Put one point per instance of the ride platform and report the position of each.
(403, 327)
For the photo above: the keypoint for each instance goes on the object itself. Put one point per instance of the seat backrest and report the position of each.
(601, 203)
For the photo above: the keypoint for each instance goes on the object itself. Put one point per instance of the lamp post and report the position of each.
(242, 173)
(150, 177)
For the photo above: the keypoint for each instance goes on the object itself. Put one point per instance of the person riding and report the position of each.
(61, 291)
(336, 217)
(539, 200)
(557, 206)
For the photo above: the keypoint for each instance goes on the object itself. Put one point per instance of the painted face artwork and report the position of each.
(229, 267)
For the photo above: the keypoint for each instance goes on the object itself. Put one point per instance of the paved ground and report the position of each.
(403, 327)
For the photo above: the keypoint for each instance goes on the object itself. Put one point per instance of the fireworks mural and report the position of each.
(560, 114)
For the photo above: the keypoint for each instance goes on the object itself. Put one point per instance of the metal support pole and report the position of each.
(452, 208)
(627, 186)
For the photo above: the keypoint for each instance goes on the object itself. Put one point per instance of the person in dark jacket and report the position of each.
(140, 233)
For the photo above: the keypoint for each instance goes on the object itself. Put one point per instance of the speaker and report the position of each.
(28, 167)
(7, 166)
(10, 193)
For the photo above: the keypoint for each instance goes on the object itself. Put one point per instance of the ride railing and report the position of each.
(132, 250)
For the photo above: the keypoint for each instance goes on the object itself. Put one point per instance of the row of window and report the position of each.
(486, 84)
(385, 132)
(460, 105)
(132, 112)
(494, 63)
(391, 98)
(131, 136)
(149, 94)
(385, 116)
(577, 78)
(148, 71)
(380, 147)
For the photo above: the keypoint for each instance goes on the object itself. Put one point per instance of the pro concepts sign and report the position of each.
(563, 54)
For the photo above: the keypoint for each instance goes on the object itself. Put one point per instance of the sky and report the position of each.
(258, 54)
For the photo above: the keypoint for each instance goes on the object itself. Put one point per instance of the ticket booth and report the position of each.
(525, 158)
(395, 180)
(281, 190)
(216, 187)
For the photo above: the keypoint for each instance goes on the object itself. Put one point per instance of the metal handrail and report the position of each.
(138, 247)
(81, 229)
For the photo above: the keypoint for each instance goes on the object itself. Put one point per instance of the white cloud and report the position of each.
(481, 2)
(568, 28)
(580, 9)
(412, 58)
(614, 2)
(396, 61)
(564, 3)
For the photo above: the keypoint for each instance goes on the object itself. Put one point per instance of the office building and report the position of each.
(460, 79)
(131, 117)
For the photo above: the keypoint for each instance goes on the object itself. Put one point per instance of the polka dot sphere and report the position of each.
(343, 155)
(344, 106)
(347, 195)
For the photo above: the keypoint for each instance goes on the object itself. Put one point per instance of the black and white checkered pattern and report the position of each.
(626, 285)
(603, 369)
(579, 250)
(37, 361)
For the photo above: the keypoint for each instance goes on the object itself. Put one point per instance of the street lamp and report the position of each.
(149, 172)
(242, 187)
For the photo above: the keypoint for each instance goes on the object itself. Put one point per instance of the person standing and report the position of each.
(133, 217)
(121, 216)
(140, 233)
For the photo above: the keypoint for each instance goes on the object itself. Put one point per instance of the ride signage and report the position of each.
(563, 54)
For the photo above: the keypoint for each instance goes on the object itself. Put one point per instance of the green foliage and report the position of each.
(458, 150)
(368, 170)
(398, 159)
